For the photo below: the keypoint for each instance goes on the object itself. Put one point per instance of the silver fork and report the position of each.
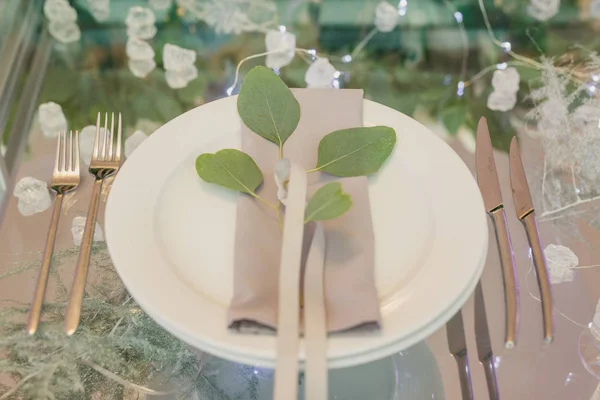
(106, 160)
(65, 177)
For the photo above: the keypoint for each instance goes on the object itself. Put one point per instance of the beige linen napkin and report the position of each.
(350, 294)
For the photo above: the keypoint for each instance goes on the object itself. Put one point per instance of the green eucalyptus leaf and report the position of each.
(355, 151)
(230, 168)
(267, 106)
(327, 203)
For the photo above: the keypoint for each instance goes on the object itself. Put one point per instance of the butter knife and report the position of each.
(525, 213)
(457, 344)
(487, 179)
(484, 344)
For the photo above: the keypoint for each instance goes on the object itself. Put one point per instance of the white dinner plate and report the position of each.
(171, 236)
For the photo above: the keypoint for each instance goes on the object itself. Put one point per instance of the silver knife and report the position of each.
(526, 213)
(457, 344)
(487, 179)
(484, 344)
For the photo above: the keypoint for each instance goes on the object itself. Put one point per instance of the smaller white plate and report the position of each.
(171, 237)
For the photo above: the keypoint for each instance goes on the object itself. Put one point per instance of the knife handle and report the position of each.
(509, 277)
(539, 260)
(464, 375)
(490, 377)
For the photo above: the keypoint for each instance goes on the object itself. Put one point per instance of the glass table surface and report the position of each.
(529, 67)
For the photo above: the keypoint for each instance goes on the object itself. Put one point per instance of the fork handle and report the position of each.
(38, 296)
(83, 262)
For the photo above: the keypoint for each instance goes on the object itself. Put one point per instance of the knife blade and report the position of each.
(487, 179)
(526, 213)
(457, 344)
(484, 344)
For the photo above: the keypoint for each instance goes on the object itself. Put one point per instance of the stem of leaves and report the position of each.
(314, 170)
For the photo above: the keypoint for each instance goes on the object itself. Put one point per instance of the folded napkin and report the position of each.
(350, 295)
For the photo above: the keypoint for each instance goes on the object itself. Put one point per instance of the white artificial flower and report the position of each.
(133, 142)
(180, 79)
(141, 68)
(281, 172)
(224, 18)
(52, 119)
(543, 10)
(282, 42)
(501, 101)
(320, 74)
(595, 9)
(386, 17)
(561, 261)
(145, 32)
(160, 4)
(137, 49)
(64, 32)
(140, 16)
(78, 227)
(59, 11)
(86, 142)
(33, 196)
(506, 80)
(177, 58)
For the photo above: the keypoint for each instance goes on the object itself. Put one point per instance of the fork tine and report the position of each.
(118, 151)
(63, 151)
(111, 136)
(76, 169)
(96, 140)
(103, 155)
(70, 152)
(57, 160)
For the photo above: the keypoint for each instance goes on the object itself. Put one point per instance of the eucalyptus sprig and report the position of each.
(269, 109)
